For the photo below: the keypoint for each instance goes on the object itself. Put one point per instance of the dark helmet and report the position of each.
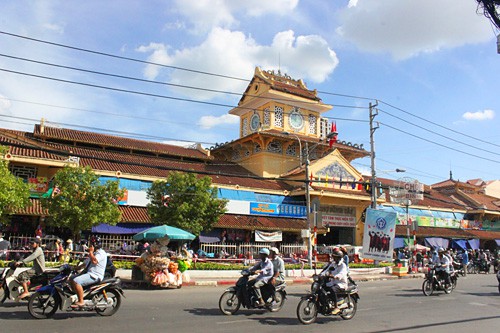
(95, 241)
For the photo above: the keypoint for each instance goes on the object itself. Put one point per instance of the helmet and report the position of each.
(440, 249)
(264, 251)
(275, 250)
(337, 253)
(95, 241)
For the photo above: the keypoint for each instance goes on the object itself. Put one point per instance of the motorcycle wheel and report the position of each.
(279, 301)
(349, 312)
(4, 294)
(427, 288)
(307, 311)
(448, 288)
(115, 297)
(229, 303)
(42, 305)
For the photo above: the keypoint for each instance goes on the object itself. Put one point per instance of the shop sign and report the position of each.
(260, 208)
(338, 221)
(268, 236)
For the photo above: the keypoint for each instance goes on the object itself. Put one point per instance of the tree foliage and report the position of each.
(186, 202)
(79, 200)
(14, 192)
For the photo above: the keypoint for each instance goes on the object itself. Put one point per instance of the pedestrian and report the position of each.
(4, 248)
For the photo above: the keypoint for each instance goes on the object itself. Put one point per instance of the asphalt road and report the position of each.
(385, 306)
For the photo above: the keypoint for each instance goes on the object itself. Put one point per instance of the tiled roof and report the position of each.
(221, 172)
(104, 140)
(485, 234)
(134, 214)
(260, 223)
(481, 201)
(294, 90)
(33, 209)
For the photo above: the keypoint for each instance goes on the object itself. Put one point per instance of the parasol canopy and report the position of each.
(162, 231)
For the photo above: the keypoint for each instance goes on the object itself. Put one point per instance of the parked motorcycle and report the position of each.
(433, 282)
(104, 297)
(11, 287)
(243, 294)
(320, 301)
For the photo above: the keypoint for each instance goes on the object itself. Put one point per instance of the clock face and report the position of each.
(296, 120)
(254, 122)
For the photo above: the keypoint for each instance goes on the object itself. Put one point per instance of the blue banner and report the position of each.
(378, 239)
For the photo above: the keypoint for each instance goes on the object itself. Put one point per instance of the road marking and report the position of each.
(478, 304)
(234, 321)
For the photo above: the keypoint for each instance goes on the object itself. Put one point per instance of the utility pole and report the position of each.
(373, 114)
(308, 208)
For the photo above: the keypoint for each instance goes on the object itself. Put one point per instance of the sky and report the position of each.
(170, 71)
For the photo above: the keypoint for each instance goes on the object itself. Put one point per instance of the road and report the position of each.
(385, 306)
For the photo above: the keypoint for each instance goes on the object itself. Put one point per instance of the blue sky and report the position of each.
(432, 65)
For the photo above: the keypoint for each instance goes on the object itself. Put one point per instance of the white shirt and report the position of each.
(443, 264)
(339, 273)
(97, 270)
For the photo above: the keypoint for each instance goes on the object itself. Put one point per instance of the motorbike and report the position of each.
(104, 297)
(11, 287)
(433, 282)
(320, 301)
(243, 294)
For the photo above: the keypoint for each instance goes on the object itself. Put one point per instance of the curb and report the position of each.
(304, 280)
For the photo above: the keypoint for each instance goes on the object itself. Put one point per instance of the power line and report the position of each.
(441, 145)
(441, 126)
(438, 134)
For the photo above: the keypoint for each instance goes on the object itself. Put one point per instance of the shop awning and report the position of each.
(459, 244)
(399, 242)
(120, 229)
(436, 242)
(209, 237)
(474, 244)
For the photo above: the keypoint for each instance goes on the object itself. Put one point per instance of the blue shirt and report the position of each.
(465, 258)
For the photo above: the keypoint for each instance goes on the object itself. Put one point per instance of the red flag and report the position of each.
(333, 139)
(312, 177)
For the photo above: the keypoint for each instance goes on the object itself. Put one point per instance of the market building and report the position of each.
(287, 158)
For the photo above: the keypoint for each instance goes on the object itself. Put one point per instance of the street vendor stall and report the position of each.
(159, 267)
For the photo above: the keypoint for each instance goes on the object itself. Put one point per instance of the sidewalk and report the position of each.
(227, 278)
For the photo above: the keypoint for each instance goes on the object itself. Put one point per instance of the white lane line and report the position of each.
(234, 321)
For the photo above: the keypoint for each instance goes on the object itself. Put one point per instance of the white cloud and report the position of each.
(207, 14)
(479, 115)
(408, 28)
(208, 122)
(5, 103)
(231, 53)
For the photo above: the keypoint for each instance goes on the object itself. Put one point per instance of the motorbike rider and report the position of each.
(337, 271)
(465, 261)
(38, 259)
(278, 267)
(443, 266)
(95, 266)
(265, 270)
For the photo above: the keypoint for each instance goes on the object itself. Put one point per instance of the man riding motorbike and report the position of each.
(337, 271)
(265, 270)
(278, 267)
(443, 266)
(38, 259)
(95, 266)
